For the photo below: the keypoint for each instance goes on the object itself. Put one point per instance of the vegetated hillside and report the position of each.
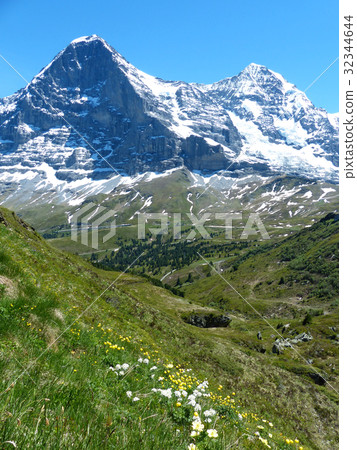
(301, 269)
(92, 358)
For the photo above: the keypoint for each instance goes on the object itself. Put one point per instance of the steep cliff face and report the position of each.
(91, 115)
(81, 103)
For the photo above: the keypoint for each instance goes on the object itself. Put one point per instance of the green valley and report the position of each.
(74, 337)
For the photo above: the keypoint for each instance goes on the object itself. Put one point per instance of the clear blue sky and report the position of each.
(190, 40)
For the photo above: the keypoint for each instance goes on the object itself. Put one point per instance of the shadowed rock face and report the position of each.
(209, 320)
(87, 84)
(93, 88)
(198, 155)
(140, 123)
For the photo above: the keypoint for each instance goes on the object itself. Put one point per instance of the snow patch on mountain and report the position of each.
(252, 107)
(294, 133)
(280, 156)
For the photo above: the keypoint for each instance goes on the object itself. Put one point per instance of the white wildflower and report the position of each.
(166, 392)
(197, 425)
(209, 412)
(212, 433)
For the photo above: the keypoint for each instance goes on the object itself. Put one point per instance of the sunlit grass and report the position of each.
(69, 397)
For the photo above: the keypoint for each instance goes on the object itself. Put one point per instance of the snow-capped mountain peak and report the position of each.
(87, 40)
(120, 120)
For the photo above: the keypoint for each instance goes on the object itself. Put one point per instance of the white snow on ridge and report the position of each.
(94, 101)
(285, 84)
(43, 178)
(292, 131)
(149, 176)
(86, 39)
(189, 195)
(147, 203)
(8, 105)
(334, 119)
(230, 153)
(279, 156)
(252, 107)
(296, 100)
(159, 87)
(323, 195)
(307, 194)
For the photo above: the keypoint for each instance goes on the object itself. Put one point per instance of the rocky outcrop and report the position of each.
(207, 320)
(280, 344)
(199, 155)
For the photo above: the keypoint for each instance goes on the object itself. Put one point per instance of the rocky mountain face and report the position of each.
(90, 116)
(275, 118)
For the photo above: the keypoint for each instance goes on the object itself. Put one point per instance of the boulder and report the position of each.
(207, 320)
(285, 327)
(303, 337)
(276, 348)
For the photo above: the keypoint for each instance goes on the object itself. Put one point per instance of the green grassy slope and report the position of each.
(64, 324)
(302, 268)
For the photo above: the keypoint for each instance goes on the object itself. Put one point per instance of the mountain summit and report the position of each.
(90, 114)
